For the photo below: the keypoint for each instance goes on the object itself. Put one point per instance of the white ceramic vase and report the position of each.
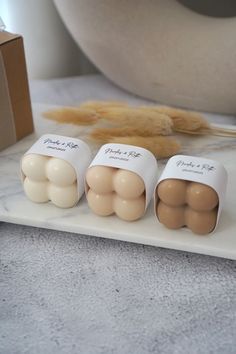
(159, 49)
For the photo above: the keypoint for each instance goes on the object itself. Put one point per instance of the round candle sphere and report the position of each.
(201, 222)
(171, 217)
(129, 209)
(172, 192)
(100, 179)
(100, 204)
(60, 172)
(36, 191)
(63, 197)
(128, 184)
(201, 197)
(33, 166)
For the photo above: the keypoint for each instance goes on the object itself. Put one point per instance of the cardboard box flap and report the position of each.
(7, 37)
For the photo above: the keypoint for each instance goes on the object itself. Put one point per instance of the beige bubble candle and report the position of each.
(121, 180)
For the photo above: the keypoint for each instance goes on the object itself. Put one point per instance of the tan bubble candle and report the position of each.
(190, 192)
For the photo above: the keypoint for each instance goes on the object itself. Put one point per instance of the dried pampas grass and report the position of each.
(72, 115)
(162, 118)
(145, 126)
(145, 122)
(189, 122)
(183, 121)
(141, 127)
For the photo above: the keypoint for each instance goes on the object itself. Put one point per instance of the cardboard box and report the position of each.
(15, 108)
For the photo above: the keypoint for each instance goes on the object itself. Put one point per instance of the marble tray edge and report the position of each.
(84, 231)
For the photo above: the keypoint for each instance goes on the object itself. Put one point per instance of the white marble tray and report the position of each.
(15, 208)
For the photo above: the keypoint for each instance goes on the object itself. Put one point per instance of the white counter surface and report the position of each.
(71, 292)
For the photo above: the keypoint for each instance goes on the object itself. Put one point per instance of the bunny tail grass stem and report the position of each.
(212, 130)
(227, 131)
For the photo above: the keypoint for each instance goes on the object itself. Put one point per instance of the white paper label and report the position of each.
(74, 151)
(197, 169)
(131, 158)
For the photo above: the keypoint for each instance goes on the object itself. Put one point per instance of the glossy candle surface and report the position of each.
(112, 190)
(49, 178)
